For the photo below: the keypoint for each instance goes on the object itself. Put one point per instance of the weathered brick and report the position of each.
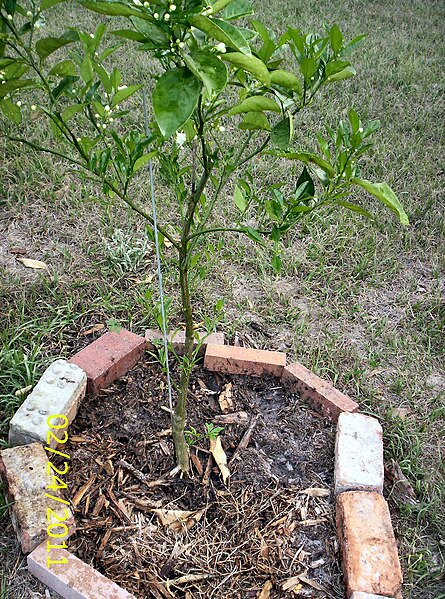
(108, 358)
(369, 550)
(358, 454)
(177, 339)
(25, 473)
(75, 579)
(241, 360)
(367, 596)
(59, 391)
(319, 392)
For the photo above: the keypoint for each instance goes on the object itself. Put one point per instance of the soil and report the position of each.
(270, 529)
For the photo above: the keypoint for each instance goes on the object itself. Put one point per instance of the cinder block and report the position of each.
(369, 549)
(75, 579)
(24, 471)
(108, 358)
(241, 360)
(358, 454)
(59, 391)
(320, 393)
(177, 339)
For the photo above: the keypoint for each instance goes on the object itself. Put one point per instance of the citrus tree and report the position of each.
(218, 70)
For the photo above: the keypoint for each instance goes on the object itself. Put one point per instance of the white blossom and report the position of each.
(181, 138)
(18, 103)
(221, 47)
(119, 87)
(221, 128)
(181, 44)
(167, 16)
(33, 107)
(137, 2)
(360, 129)
(156, 15)
(172, 7)
(29, 14)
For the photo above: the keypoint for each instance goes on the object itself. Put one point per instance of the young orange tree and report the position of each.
(213, 75)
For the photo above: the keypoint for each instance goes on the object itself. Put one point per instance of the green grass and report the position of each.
(360, 303)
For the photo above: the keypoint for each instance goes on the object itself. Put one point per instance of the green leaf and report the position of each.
(222, 31)
(11, 86)
(282, 133)
(113, 9)
(352, 45)
(209, 68)
(237, 9)
(277, 263)
(251, 64)
(309, 190)
(336, 38)
(335, 66)
(142, 160)
(255, 104)
(174, 99)
(11, 111)
(129, 34)
(354, 208)
(384, 193)
(151, 32)
(345, 74)
(48, 45)
(69, 112)
(254, 235)
(240, 200)
(125, 93)
(49, 3)
(220, 5)
(261, 30)
(287, 80)
(255, 121)
(86, 70)
(354, 120)
(104, 77)
(65, 68)
(308, 68)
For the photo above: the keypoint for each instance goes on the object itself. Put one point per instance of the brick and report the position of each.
(319, 392)
(24, 472)
(59, 391)
(367, 596)
(177, 339)
(358, 454)
(368, 545)
(75, 579)
(108, 358)
(241, 360)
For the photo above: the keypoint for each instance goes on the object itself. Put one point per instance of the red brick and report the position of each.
(75, 579)
(242, 360)
(177, 339)
(108, 358)
(319, 392)
(369, 549)
(24, 471)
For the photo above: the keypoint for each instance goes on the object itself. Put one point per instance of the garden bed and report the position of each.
(270, 529)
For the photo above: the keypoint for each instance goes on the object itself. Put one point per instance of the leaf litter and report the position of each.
(254, 520)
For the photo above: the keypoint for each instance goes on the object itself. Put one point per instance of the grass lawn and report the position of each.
(360, 303)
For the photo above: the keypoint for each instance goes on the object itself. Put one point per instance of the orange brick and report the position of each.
(75, 579)
(242, 360)
(369, 549)
(319, 392)
(177, 339)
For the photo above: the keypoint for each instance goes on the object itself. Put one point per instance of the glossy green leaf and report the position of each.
(104, 77)
(174, 99)
(354, 208)
(354, 120)
(86, 70)
(281, 135)
(255, 104)
(151, 32)
(142, 160)
(335, 66)
(336, 38)
(125, 93)
(49, 3)
(352, 45)
(309, 190)
(255, 121)
(239, 198)
(277, 263)
(70, 111)
(65, 68)
(261, 30)
(222, 31)
(209, 68)
(306, 158)
(344, 74)
(251, 64)
(254, 235)
(129, 34)
(237, 9)
(308, 68)
(220, 5)
(384, 193)
(10, 86)
(11, 111)
(48, 45)
(287, 80)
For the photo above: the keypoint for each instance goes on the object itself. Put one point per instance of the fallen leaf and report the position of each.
(316, 492)
(197, 464)
(402, 412)
(29, 263)
(23, 391)
(93, 329)
(178, 520)
(376, 371)
(265, 591)
(220, 458)
(225, 399)
(311, 583)
(402, 490)
(292, 584)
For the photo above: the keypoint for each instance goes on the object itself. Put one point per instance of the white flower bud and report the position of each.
(33, 107)
(104, 126)
(92, 36)
(78, 140)
(181, 138)
(29, 14)
(18, 103)
(107, 108)
(172, 7)
(167, 16)
(9, 17)
(111, 119)
(221, 128)
(221, 47)
(146, 4)
(181, 44)
(73, 91)
(360, 129)
(156, 15)
(137, 2)
(119, 87)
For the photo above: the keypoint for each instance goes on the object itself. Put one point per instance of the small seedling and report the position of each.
(213, 431)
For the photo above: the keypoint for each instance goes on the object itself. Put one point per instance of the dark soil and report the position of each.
(274, 521)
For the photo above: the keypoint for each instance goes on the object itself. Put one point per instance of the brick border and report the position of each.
(363, 522)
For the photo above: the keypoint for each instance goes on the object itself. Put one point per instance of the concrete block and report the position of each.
(24, 471)
(74, 579)
(369, 550)
(358, 454)
(59, 391)
(242, 360)
(320, 393)
(108, 358)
